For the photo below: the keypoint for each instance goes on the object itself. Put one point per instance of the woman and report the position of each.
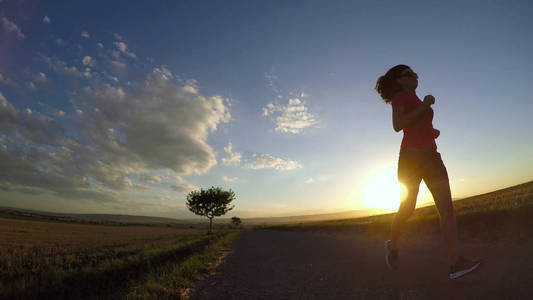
(419, 160)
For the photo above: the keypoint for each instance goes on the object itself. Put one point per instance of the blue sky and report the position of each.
(124, 107)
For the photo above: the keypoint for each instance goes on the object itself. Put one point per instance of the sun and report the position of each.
(383, 191)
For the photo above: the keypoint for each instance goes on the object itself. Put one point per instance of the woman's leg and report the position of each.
(407, 206)
(440, 189)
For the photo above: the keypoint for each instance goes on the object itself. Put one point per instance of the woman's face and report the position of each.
(408, 80)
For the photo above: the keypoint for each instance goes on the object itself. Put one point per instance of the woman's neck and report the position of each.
(410, 91)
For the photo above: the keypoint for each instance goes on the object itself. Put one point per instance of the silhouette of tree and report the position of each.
(210, 203)
(236, 221)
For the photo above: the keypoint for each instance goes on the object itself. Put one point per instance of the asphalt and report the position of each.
(265, 264)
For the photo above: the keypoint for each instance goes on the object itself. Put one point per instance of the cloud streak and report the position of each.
(229, 179)
(265, 161)
(11, 27)
(62, 67)
(123, 48)
(181, 186)
(291, 118)
(232, 158)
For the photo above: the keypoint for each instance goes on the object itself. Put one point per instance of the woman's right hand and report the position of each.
(429, 100)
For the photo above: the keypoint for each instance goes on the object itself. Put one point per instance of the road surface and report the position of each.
(267, 264)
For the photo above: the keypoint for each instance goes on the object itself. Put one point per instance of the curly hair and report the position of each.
(386, 85)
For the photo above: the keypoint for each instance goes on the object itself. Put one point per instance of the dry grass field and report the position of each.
(67, 260)
(70, 238)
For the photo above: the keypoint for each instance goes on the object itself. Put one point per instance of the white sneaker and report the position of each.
(463, 267)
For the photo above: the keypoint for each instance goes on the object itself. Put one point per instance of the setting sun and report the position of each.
(383, 191)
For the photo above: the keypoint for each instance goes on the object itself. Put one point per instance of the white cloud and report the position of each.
(46, 19)
(117, 36)
(182, 186)
(265, 161)
(320, 178)
(291, 118)
(59, 113)
(229, 179)
(163, 126)
(190, 89)
(40, 77)
(152, 179)
(87, 73)
(3, 101)
(60, 41)
(12, 27)
(62, 67)
(100, 45)
(231, 157)
(164, 73)
(112, 135)
(88, 61)
(123, 47)
(85, 34)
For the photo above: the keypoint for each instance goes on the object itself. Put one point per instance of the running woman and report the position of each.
(419, 160)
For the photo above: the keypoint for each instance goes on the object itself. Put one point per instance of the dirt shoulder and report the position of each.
(267, 264)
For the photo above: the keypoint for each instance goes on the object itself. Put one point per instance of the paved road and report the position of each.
(295, 265)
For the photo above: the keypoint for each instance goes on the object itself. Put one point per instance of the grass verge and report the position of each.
(114, 276)
(175, 281)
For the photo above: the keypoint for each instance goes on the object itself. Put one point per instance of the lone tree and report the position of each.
(236, 221)
(210, 203)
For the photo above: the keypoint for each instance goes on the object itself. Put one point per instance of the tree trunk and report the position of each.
(210, 225)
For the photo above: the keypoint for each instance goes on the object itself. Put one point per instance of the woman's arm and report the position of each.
(400, 119)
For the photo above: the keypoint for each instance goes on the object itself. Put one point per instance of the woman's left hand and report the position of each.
(436, 133)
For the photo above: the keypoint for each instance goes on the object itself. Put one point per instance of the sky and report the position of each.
(125, 107)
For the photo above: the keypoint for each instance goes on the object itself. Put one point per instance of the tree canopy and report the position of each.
(210, 203)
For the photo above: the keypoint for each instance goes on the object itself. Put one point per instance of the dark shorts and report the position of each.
(415, 165)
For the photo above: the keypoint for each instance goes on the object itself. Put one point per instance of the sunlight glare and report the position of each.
(383, 191)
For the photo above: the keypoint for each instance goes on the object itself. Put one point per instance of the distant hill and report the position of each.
(514, 196)
(308, 218)
(102, 219)
(113, 219)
